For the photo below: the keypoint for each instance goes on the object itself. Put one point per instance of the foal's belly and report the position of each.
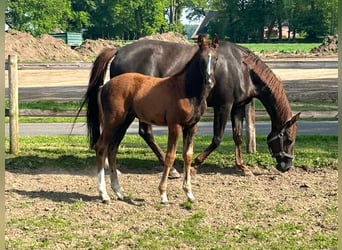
(162, 110)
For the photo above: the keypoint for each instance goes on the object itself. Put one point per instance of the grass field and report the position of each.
(281, 47)
(62, 151)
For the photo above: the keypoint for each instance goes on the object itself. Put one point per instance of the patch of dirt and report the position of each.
(304, 199)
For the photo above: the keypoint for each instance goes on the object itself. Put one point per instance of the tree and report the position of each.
(244, 20)
(39, 17)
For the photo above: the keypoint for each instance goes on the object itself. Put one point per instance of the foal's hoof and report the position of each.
(105, 201)
(193, 170)
(174, 174)
(247, 173)
(163, 199)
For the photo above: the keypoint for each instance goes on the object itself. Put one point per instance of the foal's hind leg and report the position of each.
(101, 152)
(112, 152)
(118, 135)
(188, 150)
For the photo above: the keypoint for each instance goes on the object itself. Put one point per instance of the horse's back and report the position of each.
(152, 57)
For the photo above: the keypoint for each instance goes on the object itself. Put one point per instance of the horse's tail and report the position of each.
(96, 80)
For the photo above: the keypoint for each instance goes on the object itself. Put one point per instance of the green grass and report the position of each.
(60, 106)
(48, 105)
(65, 151)
(281, 47)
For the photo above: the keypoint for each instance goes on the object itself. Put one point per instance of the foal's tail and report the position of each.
(90, 98)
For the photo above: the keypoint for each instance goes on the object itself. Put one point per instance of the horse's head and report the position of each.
(208, 58)
(281, 144)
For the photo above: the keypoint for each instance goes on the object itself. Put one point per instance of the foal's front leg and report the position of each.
(173, 135)
(188, 150)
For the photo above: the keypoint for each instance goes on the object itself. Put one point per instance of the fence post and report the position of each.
(13, 103)
(250, 128)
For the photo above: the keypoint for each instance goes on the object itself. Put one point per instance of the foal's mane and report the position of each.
(271, 81)
(194, 51)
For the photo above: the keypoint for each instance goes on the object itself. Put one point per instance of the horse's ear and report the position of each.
(293, 120)
(215, 41)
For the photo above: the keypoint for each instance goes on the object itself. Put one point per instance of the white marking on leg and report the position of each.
(187, 188)
(163, 198)
(115, 185)
(107, 166)
(102, 185)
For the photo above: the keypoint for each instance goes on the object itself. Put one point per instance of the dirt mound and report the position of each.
(42, 48)
(91, 48)
(169, 36)
(328, 46)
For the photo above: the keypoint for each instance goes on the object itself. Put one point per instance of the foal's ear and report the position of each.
(215, 41)
(200, 40)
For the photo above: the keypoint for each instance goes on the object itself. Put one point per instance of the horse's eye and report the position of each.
(289, 141)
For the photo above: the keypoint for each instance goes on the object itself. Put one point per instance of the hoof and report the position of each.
(193, 170)
(105, 201)
(174, 174)
(191, 197)
(247, 173)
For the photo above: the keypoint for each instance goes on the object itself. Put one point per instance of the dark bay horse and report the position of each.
(177, 102)
(240, 76)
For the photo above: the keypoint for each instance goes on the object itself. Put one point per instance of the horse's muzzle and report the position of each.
(284, 166)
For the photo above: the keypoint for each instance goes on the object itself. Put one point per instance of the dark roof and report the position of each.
(202, 26)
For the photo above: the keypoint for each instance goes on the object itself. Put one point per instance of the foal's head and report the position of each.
(208, 58)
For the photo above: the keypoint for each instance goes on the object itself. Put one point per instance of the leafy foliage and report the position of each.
(243, 21)
(236, 20)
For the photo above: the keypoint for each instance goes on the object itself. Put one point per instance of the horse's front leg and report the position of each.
(145, 131)
(101, 153)
(237, 123)
(188, 150)
(220, 121)
(173, 135)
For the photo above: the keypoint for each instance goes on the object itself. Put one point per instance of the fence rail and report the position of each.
(209, 113)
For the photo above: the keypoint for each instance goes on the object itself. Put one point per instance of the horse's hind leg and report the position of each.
(174, 132)
(188, 150)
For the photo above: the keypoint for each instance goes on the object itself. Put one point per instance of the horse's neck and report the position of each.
(278, 108)
(270, 91)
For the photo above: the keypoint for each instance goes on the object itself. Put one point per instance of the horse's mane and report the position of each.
(271, 81)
